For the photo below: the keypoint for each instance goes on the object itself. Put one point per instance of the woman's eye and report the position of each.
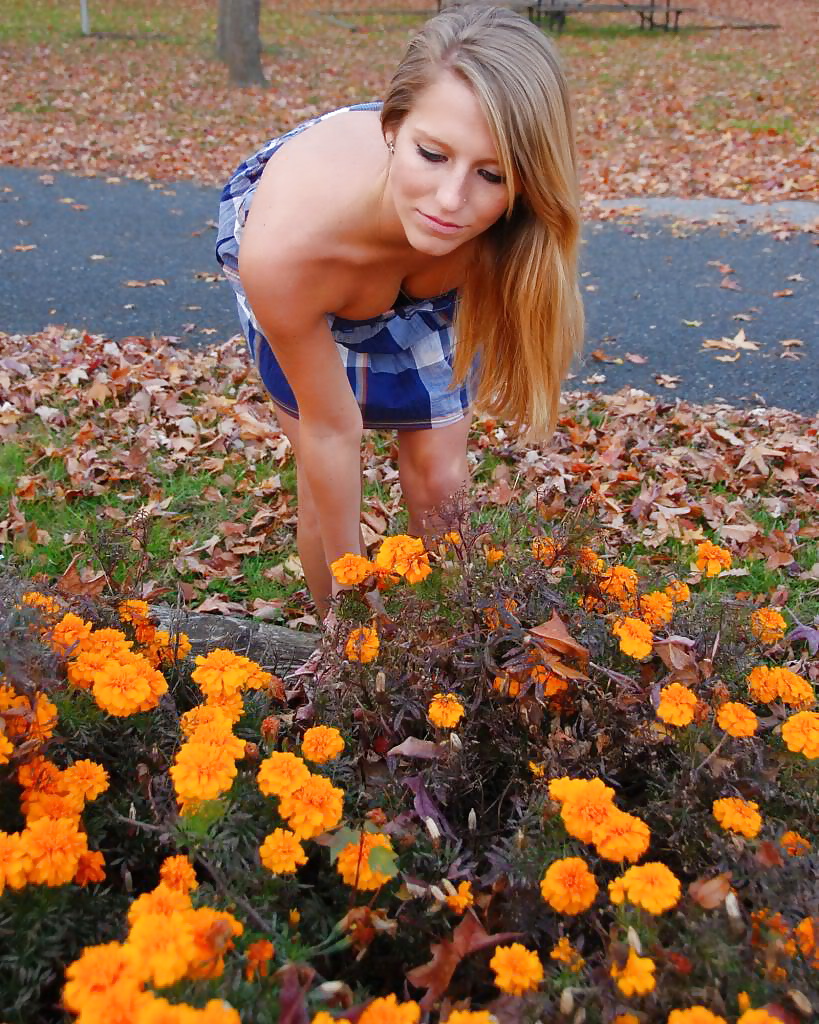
(494, 179)
(427, 154)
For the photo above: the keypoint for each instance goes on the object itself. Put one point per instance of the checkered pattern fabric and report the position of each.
(399, 364)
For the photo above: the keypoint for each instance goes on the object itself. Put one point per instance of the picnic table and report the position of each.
(663, 14)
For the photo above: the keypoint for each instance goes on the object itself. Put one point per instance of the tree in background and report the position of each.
(238, 43)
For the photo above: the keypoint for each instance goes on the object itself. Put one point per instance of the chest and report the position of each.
(379, 289)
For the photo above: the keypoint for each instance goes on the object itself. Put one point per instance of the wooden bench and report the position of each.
(652, 13)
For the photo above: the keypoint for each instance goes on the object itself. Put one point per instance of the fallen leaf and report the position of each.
(783, 293)
(710, 893)
(632, 357)
(554, 635)
(413, 747)
(693, 323)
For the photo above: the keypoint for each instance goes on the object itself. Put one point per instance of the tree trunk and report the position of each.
(276, 648)
(238, 42)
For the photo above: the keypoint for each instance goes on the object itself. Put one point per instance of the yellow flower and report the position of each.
(178, 873)
(636, 977)
(651, 886)
(54, 847)
(587, 809)
(282, 772)
(134, 611)
(695, 1015)
(737, 719)
(281, 852)
(362, 644)
(202, 772)
(203, 714)
(517, 969)
(620, 584)
(69, 633)
(565, 953)
(445, 710)
(353, 863)
(794, 844)
(221, 672)
(97, 970)
(737, 815)
(621, 836)
(712, 560)
(678, 592)
(164, 946)
(86, 777)
(14, 861)
(635, 636)
(763, 684)
(677, 704)
(461, 898)
(564, 789)
(801, 734)
(162, 901)
(405, 556)
(388, 1010)
(230, 704)
(656, 609)
(127, 685)
(352, 569)
(793, 689)
(544, 550)
(767, 625)
(314, 808)
(322, 743)
(569, 886)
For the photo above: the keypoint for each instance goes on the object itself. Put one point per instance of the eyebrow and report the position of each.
(439, 142)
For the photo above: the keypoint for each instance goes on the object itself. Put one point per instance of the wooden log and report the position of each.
(276, 648)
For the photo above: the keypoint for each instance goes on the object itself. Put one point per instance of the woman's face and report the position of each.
(444, 178)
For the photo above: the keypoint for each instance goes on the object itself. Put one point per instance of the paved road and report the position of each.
(68, 262)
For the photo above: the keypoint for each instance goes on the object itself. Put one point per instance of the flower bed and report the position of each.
(546, 786)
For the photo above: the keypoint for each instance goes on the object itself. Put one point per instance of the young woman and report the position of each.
(397, 265)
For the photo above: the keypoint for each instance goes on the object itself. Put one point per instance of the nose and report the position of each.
(452, 191)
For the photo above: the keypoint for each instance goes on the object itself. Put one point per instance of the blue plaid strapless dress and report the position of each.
(399, 364)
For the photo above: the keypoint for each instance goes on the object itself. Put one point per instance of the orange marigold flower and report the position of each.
(792, 688)
(445, 710)
(590, 561)
(91, 868)
(86, 777)
(405, 556)
(168, 650)
(695, 1015)
(564, 789)
(14, 861)
(222, 740)
(362, 644)
(203, 714)
(758, 1017)
(97, 970)
(544, 550)
(314, 808)
(620, 584)
(794, 844)
(460, 899)
(677, 704)
(54, 847)
(281, 852)
(565, 953)
(469, 1017)
(552, 684)
(651, 886)
(258, 954)
(767, 625)
(6, 748)
(49, 607)
(491, 615)
(626, 1018)
(621, 836)
(322, 743)
(164, 946)
(162, 901)
(806, 936)
(54, 805)
(43, 719)
(635, 636)
(711, 559)
(123, 687)
(585, 811)
(656, 609)
(216, 1011)
(678, 591)
(737, 815)
(506, 685)
(636, 977)
(213, 932)
(230, 704)
(221, 672)
(517, 969)
(159, 1011)
(569, 886)
(282, 772)
(763, 684)
(388, 1010)
(69, 633)
(178, 873)
(492, 555)
(353, 863)
(201, 772)
(15, 725)
(134, 611)
(737, 719)
(352, 569)
(801, 734)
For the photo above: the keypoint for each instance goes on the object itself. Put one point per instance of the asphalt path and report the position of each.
(120, 257)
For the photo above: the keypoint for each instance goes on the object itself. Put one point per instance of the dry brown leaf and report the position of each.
(711, 892)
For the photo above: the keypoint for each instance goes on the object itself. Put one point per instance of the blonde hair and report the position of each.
(520, 305)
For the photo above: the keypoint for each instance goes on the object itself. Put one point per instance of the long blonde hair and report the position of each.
(520, 305)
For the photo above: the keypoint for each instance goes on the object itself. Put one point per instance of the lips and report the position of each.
(441, 226)
(443, 223)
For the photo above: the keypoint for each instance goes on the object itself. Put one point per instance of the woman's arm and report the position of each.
(289, 299)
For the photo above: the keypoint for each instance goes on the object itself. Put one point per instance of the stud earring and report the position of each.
(391, 147)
